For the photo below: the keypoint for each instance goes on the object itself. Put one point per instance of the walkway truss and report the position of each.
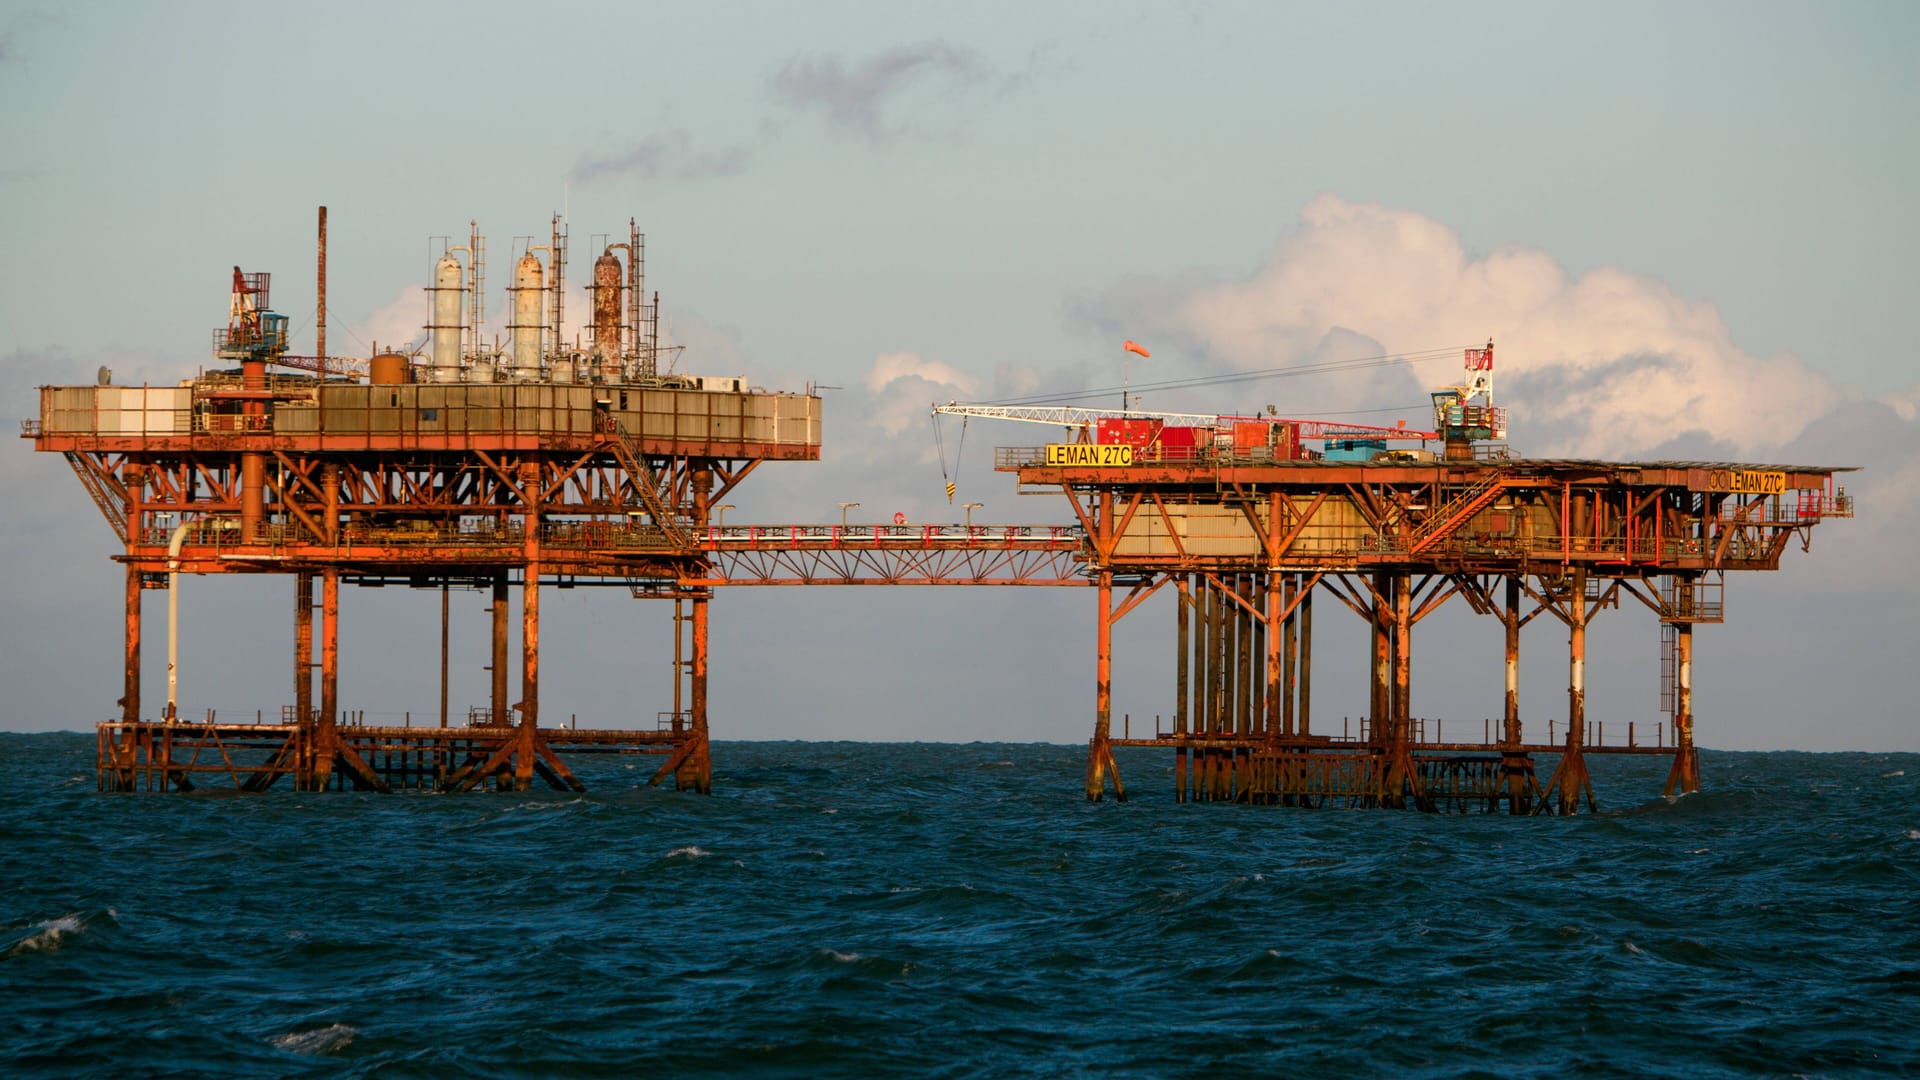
(373, 486)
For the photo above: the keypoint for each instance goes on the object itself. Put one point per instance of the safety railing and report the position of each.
(754, 537)
(236, 422)
(1598, 734)
(224, 532)
(302, 405)
(635, 532)
(1801, 507)
(1700, 600)
(607, 535)
(1027, 457)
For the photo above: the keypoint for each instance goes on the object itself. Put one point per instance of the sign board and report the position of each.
(1746, 481)
(1090, 455)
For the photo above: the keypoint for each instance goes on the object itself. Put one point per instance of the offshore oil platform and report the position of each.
(486, 465)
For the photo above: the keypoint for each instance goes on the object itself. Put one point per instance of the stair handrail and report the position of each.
(1444, 518)
(643, 480)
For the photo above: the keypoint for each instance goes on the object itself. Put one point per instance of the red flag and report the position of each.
(1136, 347)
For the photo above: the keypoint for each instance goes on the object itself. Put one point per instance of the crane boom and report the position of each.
(1066, 415)
(327, 365)
(1074, 416)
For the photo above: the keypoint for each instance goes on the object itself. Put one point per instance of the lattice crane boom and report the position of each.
(1075, 416)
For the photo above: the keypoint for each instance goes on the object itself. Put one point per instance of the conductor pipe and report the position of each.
(173, 618)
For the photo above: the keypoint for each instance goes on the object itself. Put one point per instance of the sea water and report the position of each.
(844, 909)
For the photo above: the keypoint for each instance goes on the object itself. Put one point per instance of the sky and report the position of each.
(1688, 228)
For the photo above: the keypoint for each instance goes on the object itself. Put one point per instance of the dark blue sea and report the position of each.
(845, 909)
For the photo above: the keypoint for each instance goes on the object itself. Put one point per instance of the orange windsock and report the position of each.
(1136, 347)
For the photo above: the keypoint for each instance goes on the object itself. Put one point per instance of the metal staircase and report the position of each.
(1446, 518)
(643, 481)
(116, 514)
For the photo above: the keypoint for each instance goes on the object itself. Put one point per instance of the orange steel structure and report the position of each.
(594, 469)
(461, 471)
(1248, 541)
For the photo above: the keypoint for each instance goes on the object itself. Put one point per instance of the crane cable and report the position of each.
(953, 479)
(959, 454)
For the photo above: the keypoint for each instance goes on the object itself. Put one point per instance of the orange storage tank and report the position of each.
(389, 369)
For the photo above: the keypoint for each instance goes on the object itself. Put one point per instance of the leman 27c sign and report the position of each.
(1746, 481)
(1089, 454)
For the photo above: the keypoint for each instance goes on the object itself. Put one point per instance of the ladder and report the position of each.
(1669, 670)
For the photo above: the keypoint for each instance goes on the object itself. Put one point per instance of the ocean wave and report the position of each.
(325, 1040)
(48, 936)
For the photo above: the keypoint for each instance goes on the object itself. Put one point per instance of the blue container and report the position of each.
(1353, 449)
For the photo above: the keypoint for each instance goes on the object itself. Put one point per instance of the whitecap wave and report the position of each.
(691, 851)
(316, 1040)
(546, 805)
(48, 935)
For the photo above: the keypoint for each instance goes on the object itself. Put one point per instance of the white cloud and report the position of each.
(693, 346)
(397, 324)
(892, 367)
(1906, 403)
(901, 387)
(1606, 364)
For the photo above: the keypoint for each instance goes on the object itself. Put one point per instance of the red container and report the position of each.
(1185, 438)
(1286, 443)
(1140, 433)
(1249, 435)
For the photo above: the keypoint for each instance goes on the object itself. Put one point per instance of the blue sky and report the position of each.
(1689, 226)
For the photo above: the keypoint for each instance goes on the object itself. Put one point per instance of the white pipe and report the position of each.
(173, 618)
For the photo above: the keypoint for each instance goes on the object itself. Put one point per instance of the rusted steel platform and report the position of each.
(557, 464)
(317, 756)
(1247, 540)
(1359, 771)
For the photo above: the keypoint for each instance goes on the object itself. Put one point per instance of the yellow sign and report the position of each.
(1747, 481)
(1089, 455)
